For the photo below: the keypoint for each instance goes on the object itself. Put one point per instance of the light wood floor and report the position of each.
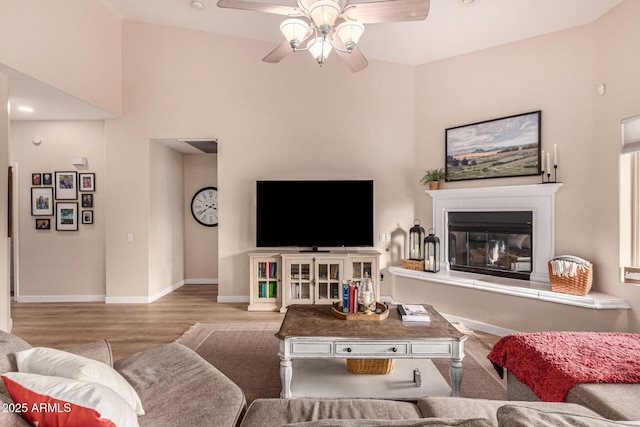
(132, 327)
(128, 327)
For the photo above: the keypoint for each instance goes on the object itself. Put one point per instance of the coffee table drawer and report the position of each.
(427, 349)
(346, 348)
(320, 348)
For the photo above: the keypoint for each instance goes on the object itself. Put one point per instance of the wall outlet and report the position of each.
(384, 237)
(130, 238)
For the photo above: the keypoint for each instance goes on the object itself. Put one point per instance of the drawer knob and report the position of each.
(348, 349)
(395, 350)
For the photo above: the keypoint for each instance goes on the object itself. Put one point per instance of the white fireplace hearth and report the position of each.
(538, 199)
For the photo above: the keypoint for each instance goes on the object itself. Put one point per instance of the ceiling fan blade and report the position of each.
(277, 54)
(388, 11)
(355, 60)
(275, 9)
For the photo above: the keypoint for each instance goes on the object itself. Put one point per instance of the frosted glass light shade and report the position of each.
(294, 30)
(324, 13)
(349, 32)
(319, 49)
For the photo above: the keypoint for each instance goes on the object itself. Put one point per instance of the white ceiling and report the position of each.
(450, 29)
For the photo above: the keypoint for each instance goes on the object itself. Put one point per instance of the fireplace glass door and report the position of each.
(495, 243)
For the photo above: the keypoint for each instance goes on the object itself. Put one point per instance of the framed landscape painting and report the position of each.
(504, 147)
(67, 216)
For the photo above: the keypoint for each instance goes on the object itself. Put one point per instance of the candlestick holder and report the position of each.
(548, 175)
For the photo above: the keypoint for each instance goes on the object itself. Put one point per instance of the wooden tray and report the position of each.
(336, 310)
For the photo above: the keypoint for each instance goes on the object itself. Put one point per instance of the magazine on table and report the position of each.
(413, 313)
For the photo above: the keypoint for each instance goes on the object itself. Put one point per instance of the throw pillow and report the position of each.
(520, 416)
(58, 363)
(55, 401)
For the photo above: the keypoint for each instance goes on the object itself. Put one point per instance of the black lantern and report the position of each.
(432, 252)
(416, 241)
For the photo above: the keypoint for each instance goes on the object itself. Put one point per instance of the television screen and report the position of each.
(314, 213)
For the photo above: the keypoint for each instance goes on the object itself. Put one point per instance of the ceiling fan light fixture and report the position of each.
(349, 33)
(324, 14)
(319, 48)
(294, 31)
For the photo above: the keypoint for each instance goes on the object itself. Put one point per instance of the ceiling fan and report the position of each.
(321, 26)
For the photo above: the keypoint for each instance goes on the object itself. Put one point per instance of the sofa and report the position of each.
(176, 387)
(174, 384)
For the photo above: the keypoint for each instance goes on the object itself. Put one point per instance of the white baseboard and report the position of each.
(200, 281)
(144, 300)
(471, 324)
(479, 326)
(60, 298)
(237, 299)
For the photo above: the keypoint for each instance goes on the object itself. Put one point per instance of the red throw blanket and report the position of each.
(550, 363)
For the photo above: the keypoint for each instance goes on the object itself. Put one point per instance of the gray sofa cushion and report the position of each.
(612, 401)
(277, 412)
(521, 416)
(99, 350)
(178, 387)
(460, 407)
(9, 344)
(424, 422)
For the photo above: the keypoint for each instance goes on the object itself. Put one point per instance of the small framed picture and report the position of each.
(66, 185)
(36, 179)
(66, 216)
(87, 217)
(87, 181)
(43, 224)
(42, 201)
(87, 200)
(46, 178)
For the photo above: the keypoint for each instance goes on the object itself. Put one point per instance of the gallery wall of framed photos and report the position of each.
(66, 197)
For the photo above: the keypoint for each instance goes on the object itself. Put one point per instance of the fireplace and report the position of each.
(538, 199)
(497, 243)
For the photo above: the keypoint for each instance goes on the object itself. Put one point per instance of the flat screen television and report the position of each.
(313, 214)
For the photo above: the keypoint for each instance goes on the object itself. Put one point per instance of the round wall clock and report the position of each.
(204, 206)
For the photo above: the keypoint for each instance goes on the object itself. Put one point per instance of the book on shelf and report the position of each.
(262, 290)
(273, 293)
(413, 313)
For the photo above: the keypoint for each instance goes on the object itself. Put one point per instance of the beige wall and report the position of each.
(200, 242)
(270, 122)
(296, 120)
(617, 36)
(59, 263)
(72, 45)
(5, 300)
(558, 74)
(166, 235)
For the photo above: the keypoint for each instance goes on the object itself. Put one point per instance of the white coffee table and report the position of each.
(312, 332)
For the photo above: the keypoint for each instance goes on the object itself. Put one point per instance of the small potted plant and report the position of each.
(433, 177)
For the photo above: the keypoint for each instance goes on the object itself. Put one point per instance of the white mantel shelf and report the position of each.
(514, 287)
(505, 191)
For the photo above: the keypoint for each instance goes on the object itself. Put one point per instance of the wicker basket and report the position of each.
(411, 264)
(370, 366)
(580, 284)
